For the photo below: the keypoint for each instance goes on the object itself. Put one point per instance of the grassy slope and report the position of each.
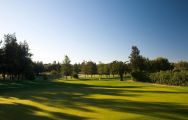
(72, 99)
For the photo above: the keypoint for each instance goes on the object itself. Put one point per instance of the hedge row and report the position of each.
(163, 77)
(170, 78)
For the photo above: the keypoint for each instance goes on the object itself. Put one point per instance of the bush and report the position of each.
(170, 78)
(75, 76)
(30, 76)
(140, 76)
(44, 76)
(53, 72)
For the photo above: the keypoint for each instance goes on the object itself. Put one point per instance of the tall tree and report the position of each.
(135, 59)
(66, 67)
(17, 58)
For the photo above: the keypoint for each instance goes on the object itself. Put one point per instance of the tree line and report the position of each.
(16, 64)
(138, 66)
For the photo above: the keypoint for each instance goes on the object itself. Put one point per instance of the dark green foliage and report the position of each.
(66, 67)
(140, 76)
(117, 67)
(103, 69)
(38, 67)
(15, 60)
(75, 76)
(138, 62)
(113, 68)
(52, 67)
(160, 64)
(120, 69)
(30, 76)
(76, 68)
(135, 59)
(89, 68)
(170, 78)
(54, 72)
(84, 68)
(44, 76)
(100, 68)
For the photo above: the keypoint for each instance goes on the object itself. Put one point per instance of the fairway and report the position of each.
(92, 99)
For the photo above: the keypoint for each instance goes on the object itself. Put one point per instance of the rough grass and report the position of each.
(91, 99)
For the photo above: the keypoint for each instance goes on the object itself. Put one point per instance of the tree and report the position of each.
(88, 68)
(106, 69)
(38, 67)
(161, 64)
(91, 68)
(103, 69)
(84, 68)
(76, 68)
(117, 67)
(66, 67)
(135, 59)
(120, 69)
(2, 60)
(25, 62)
(181, 65)
(100, 68)
(113, 68)
(17, 61)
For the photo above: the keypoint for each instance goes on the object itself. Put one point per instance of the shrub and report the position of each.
(53, 72)
(44, 76)
(30, 76)
(75, 76)
(170, 78)
(140, 76)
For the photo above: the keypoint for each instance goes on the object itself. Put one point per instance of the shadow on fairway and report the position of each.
(46, 100)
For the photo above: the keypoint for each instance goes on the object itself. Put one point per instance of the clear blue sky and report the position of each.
(98, 30)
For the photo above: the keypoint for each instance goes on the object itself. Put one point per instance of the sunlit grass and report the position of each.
(96, 99)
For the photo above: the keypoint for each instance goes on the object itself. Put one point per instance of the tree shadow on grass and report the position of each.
(78, 97)
(26, 112)
(160, 110)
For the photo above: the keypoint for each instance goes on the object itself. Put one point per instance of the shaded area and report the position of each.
(49, 98)
(25, 112)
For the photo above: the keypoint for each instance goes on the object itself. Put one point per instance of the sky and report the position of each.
(98, 30)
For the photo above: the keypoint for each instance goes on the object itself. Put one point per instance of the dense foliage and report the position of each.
(15, 62)
(170, 78)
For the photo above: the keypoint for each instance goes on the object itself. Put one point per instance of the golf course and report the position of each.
(84, 99)
(94, 60)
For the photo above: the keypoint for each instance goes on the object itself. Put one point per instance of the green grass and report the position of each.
(91, 99)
